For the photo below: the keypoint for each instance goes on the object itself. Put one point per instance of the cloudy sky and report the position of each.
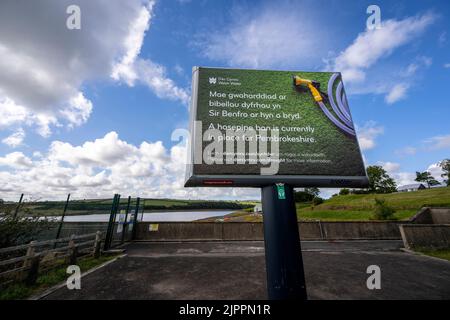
(92, 111)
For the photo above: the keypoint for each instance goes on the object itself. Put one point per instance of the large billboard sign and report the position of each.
(258, 127)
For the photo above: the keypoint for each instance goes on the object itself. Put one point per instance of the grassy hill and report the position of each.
(99, 206)
(361, 206)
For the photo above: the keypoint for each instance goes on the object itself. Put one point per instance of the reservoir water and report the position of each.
(157, 216)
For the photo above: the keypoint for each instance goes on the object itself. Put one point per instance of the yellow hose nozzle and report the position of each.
(315, 93)
(310, 84)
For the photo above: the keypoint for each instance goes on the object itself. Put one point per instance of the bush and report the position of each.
(382, 210)
(317, 200)
(359, 191)
(344, 192)
(302, 196)
(20, 229)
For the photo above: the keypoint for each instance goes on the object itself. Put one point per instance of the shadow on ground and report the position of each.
(236, 270)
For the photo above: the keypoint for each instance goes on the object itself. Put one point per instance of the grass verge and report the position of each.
(346, 215)
(440, 253)
(18, 291)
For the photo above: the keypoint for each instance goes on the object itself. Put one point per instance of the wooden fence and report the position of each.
(25, 262)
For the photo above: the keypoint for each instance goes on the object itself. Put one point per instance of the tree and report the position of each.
(20, 229)
(427, 178)
(380, 181)
(307, 195)
(445, 166)
(312, 191)
(302, 196)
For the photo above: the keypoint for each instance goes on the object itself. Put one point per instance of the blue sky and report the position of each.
(91, 111)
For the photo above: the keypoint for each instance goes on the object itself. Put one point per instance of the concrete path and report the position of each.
(236, 270)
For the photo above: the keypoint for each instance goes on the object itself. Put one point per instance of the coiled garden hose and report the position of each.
(337, 100)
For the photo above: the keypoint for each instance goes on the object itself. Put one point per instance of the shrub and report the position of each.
(20, 229)
(382, 210)
(302, 196)
(344, 192)
(317, 200)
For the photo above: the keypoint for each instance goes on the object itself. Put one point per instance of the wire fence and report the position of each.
(28, 219)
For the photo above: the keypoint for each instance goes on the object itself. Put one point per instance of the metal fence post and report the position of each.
(124, 229)
(108, 230)
(136, 211)
(58, 233)
(18, 206)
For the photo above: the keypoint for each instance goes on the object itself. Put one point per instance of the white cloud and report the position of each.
(442, 38)
(44, 65)
(372, 46)
(271, 36)
(102, 167)
(436, 171)
(15, 139)
(403, 177)
(154, 76)
(131, 68)
(390, 167)
(16, 160)
(78, 110)
(132, 43)
(393, 170)
(408, 151)
(413, 67)
(12, 114)
(367, 134)
(438, 142)
(398, 92)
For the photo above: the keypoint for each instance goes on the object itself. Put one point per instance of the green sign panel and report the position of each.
(281, 191)
(257, 127)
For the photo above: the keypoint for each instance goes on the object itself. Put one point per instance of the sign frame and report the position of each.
(253, 180)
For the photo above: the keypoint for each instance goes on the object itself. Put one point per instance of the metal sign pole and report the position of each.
(284, 263)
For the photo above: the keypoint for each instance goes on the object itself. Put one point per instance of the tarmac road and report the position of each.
(236, 270)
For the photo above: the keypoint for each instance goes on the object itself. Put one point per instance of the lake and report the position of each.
(157, 216)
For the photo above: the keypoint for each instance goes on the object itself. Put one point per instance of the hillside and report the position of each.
(360, 206)
(99, 206)
(356, 206)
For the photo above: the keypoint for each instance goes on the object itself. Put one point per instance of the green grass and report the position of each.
(349, 215)
(103, 206)
(361, 206)
(441, 253)
(17, 291)
(329, 140)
